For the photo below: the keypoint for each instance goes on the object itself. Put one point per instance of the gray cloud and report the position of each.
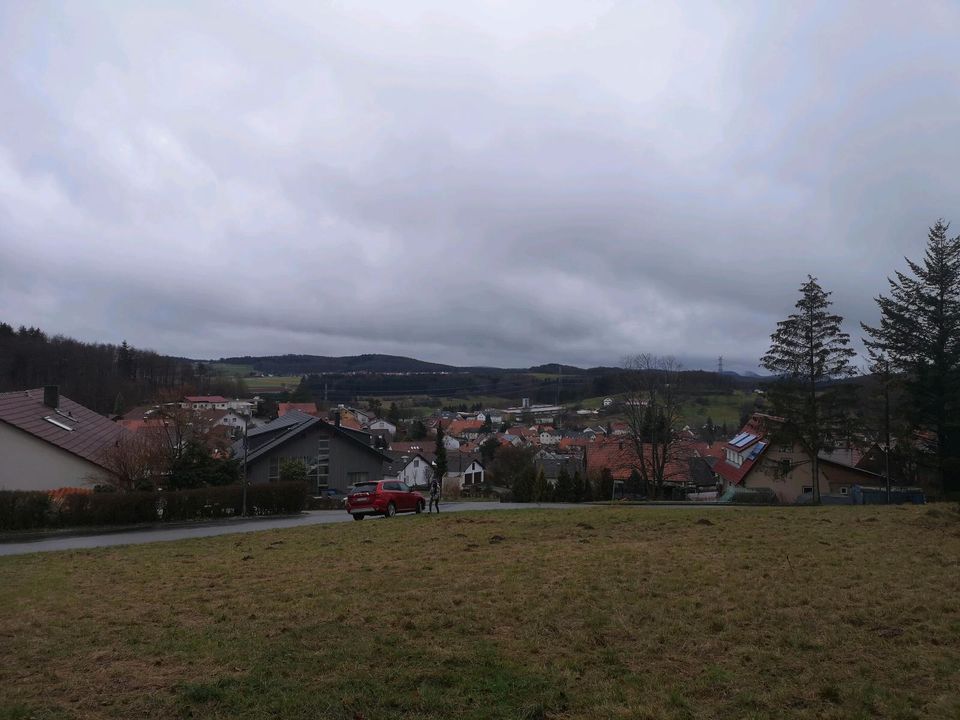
(484, 185)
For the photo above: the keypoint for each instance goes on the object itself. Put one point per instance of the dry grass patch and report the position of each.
(586, 613)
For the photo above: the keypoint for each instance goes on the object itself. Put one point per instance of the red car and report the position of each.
(383, 497)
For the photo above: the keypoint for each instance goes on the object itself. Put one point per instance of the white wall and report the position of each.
(27, 463)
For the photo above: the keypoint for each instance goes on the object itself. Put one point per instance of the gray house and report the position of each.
(335, 457)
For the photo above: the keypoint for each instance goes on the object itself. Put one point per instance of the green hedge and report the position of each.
(26, 510)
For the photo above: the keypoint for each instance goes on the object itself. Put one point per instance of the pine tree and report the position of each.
(563, 491)
(583, 487)
(807, 352)
(440, 455)
(523, 485)
(919, 332)
(541, 487)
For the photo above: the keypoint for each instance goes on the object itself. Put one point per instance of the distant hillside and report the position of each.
(317, 364)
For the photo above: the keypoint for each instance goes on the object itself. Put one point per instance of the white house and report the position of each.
(607, 402)
(205, 402)
(549, 436)
(417, 472)
(472, 476)
(384, 425)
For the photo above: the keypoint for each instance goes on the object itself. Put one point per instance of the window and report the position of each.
(403, 487)
(355, 478)
(273, 474)
(844, 490)
(416, 463)
(807, 489)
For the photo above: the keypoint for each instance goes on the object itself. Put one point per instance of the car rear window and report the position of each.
(365, 487)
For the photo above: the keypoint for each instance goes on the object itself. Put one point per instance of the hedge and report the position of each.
(26, 510)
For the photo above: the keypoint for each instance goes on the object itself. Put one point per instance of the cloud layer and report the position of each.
(492, 184)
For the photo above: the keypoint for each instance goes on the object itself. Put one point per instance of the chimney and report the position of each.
(336, 418)
(51, 396)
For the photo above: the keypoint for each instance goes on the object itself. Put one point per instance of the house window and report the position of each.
(354, 478)
(416, 463)
(273, 474)
(807, 489)
(844, 490)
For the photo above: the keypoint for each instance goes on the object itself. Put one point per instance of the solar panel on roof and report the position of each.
(737, 438)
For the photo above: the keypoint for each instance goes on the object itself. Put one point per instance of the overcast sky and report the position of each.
(506, 183)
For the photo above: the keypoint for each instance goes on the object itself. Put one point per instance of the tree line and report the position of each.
(105, 377)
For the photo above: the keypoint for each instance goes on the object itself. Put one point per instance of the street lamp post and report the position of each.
(243, 479)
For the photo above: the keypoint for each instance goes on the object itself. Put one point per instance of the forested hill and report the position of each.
(104, 377)
(316, 364)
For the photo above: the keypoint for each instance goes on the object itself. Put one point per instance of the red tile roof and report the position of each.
(88, 435)
(620, 457)
(458, 427)
(308, 408)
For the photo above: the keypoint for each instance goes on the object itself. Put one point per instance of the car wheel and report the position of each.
(419, 507)
(359, 517)
(391, 510)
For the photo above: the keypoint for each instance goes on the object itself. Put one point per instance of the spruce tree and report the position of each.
(583, 487)
(440, 455)
(563, 491)
(541, 487)
(809, 351)
(919, 332)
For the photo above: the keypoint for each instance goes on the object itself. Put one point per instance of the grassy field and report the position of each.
(719, 408)
(587, 613)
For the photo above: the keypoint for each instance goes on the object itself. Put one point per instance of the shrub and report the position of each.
(23, 509)
(26, 510)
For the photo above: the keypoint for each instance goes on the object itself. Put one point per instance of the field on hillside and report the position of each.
(585, 613)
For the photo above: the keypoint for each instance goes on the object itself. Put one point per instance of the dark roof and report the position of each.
(291, 425)
(74, 428)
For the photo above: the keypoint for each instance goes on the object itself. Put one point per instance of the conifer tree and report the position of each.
(541, 487)
(919, 332)
(807, 352)
(564, 490)
(583, 487)
(440, 455)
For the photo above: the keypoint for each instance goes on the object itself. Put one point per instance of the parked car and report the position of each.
(383, 497)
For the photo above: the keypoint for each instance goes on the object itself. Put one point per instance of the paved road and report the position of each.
(78, 542)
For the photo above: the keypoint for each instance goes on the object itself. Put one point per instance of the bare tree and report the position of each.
(137, 459)
(652, 407)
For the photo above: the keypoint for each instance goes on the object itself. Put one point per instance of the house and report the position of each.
(335, 457)
(607, 402)
(417, 471)
(204, 402)
(381, 425)
(48, 441)
(752, 460)
(469, 478)
(549, 436)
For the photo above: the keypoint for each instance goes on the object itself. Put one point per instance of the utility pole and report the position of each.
(246, 425)
(720, 365)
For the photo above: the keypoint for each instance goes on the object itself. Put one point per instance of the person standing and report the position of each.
(434, 495)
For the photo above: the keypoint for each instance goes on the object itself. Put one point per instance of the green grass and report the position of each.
(719, 408)
(586, 613)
